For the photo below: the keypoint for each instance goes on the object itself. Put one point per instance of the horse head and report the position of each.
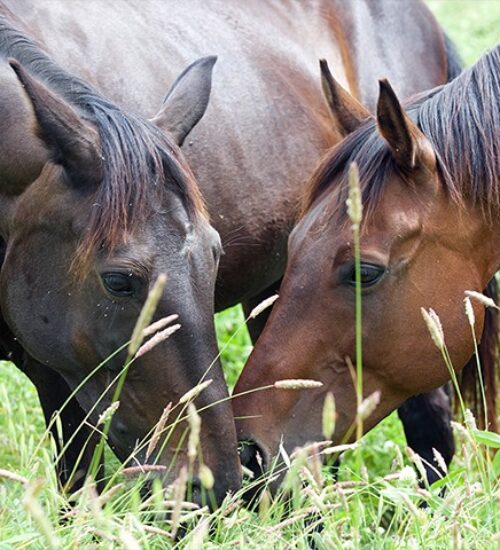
(429, 181)
(96, 205)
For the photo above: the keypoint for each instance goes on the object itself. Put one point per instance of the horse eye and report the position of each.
(370, 274)
(118, 284)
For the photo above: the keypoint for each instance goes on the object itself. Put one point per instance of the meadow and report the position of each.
(376, 503)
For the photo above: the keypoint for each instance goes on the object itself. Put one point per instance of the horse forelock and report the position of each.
(367, 149)
(462, 122)
(140, 164)
(139, 160)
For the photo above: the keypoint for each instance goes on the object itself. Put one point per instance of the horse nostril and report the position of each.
(253, 459)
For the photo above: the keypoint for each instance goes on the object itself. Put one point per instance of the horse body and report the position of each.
(265, 130)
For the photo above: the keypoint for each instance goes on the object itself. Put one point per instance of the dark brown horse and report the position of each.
(96, 201)
(430, 184)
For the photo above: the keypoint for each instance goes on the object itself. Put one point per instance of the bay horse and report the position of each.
(96, 200)
(430, 185)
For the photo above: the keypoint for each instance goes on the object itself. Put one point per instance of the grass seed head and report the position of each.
(354, 203)
(408, 475)
(457, 537)
(32, 505)
(180, 485)
(7, 474)
(206, 477)
(264, 505)
(435, 327)
(481, 298)
(337, 449)
(194, 392)
(259, 308)
(107, 414)
(410, 506)
(415, 458)
(297, 384)
(153, 442)
(146, 314)
(469, 311)
(194, 421)
(247, 472)
(158, 338)
(159, 325)
(199, 534)
(143, 469)
(369, 404)
(470, 420)
(329, 416)
(128, 540)
(439, 460)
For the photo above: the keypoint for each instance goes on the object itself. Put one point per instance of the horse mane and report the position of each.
(461, 120)
(140, 161)
(463, 124)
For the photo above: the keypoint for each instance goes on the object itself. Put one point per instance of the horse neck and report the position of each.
(483, 209)
(478, 232)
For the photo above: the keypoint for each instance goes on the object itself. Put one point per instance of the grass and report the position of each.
(376, 504)
(473, 25)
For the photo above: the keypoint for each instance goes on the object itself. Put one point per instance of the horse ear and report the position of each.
(345, 108)
(72, 141)
(409, 145)
(187, 100)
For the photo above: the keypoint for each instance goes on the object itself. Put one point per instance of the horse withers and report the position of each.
(430, 185)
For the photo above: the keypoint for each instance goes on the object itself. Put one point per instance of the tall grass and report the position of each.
(377, 506)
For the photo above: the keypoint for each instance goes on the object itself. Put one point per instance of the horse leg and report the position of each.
(256, 326)
(74, 462)
(426, 422)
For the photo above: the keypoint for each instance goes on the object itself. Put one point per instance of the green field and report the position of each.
(375, 506)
